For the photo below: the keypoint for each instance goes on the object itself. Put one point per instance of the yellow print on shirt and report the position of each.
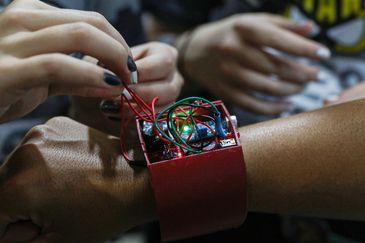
(329, 14)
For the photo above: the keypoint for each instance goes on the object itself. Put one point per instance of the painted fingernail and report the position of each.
(323, 53)
(131, 64)
(112, 79)
(78, 55)
(109, 106)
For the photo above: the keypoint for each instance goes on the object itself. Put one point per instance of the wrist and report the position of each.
(135, 195)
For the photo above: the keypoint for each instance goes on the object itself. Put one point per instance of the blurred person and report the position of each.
(263, 64)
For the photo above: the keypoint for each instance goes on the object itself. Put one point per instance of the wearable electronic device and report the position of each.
(197, 169)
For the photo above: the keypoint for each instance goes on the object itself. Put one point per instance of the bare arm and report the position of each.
(312, 164)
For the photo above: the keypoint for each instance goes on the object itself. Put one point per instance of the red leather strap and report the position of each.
(200, 194)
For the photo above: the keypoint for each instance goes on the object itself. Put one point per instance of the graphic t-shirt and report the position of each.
(339, 24)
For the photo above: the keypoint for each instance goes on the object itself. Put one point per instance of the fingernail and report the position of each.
(112, 79)
(109, 106)
(321, 75)
(131, 64)
(323, 53)
(134, 77)
(78, 55)
(332, 98)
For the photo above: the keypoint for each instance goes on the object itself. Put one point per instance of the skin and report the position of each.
(354, 93)
(45, 73)
(35, 38)
(230, 59)
(309, 164)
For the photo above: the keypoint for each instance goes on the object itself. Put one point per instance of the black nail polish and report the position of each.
(109, 106)
(112, 79)
(131, 64)
(78, 55)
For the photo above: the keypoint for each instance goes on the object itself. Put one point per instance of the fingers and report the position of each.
(155, 61)
(29, 3)
(249, 79)
(292, 70)
(302, 28)
(81, 37)
(267, 63)
(35, 19)
(154, 67)
(281, 39)
(61, 74)
(167, 90)
(245, 101)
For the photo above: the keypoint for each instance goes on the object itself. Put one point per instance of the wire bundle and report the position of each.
(184, 113)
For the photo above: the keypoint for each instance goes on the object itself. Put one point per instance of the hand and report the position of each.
(230, 58)
(158, 77)
(68, 183)
(33, 34)
(354, 93)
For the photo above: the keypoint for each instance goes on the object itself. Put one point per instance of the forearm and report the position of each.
(311, 164)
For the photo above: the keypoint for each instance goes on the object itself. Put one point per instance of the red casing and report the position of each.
(201, 193)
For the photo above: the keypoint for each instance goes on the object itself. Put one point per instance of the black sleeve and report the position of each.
(181, 13)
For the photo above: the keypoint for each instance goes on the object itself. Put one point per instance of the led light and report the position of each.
(186, 128)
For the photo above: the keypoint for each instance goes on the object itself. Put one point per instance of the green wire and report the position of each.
(170, 119)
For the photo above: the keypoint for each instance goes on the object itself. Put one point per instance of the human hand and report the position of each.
(69, 183)
(230, 58)
(158, 77)
(35, 37)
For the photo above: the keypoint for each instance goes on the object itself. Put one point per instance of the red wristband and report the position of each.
(200, 193)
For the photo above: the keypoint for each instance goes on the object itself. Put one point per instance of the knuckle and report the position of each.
(169, 62)
(100, 20)
(56, 121)
(37, 134)
(243, 24)
(79, 31)
(227, 46)
(14, 16)
(50, 66)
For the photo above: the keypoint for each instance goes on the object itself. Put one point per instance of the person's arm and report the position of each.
(312, 164)
(237, 57)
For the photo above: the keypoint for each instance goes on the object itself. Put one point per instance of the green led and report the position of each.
(186, 128)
